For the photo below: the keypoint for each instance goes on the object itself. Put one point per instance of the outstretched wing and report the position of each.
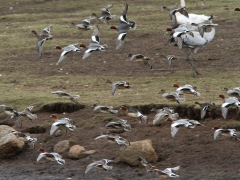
(40, 156)
(216, 134)
(54, 128)
(92, 165)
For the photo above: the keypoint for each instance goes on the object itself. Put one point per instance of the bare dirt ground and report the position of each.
(199, 156)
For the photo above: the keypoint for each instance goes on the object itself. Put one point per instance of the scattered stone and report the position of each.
(61, 147)
(75, 151)
(79, 152)
(10, 145)
(141, 148)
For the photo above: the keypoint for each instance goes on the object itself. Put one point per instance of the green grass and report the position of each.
(25, 84)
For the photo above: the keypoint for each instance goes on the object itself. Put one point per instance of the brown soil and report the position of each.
(199, 156)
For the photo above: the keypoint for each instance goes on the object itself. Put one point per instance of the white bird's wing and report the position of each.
(87, 53)
(70, 127)
(92, 165)
(158, 117)
(224, 111)
(120, 40)
(113, 88)
(54, 128)
(204, 111)
(174, 129)
(103, 136)
(62, 56)
(40, 156)
(175, 168)
(216, 134)
(46, 30)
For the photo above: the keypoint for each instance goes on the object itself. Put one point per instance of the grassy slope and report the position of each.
(24, 84)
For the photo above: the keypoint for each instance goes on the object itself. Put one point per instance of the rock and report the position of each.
(79, 152)
(10, 145)
(58, 133)
(86, 153)
(142, 148)
(62, 146)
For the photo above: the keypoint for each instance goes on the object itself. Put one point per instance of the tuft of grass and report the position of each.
(232, 125)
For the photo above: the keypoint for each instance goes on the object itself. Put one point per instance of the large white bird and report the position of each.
(181, 16)
(192, 42)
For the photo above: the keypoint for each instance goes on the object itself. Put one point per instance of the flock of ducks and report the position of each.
(188, 32)
(164, 114)
(122, 29)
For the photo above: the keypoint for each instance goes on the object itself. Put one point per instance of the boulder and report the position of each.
(10, 145)
(79, 152)
(75, 151)
(141, 148)
(62, 146)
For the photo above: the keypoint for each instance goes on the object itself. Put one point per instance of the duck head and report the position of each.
(41, 149)
(34, 32)
(113, 27)
(54, 116)
(237, 9)
(221, 96)
(83, 46)
(176, 85)
(58, 47)
(124, 108)
(216, 127)
(169, 119)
